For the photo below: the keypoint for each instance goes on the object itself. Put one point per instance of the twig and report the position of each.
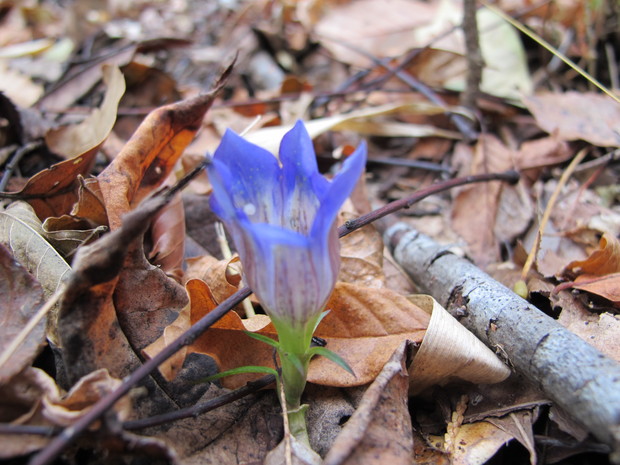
(406, 202)
(203, 407)
(12, 164)
(58, 444)
(475, 61)
(459, 120)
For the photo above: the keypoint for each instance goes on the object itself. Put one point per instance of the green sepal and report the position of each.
(296, 361)
(333, 356)
(318, 321)
(237, 371)
(265, 339)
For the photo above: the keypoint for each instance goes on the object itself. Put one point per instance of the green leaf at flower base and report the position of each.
(333, 356)
(239, 370)
(265, 339)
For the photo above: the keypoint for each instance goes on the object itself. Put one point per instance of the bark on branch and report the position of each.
(572, 373)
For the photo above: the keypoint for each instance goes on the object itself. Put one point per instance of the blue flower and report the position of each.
(281, 216)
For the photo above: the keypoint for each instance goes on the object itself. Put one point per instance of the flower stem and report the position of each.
(294, 374)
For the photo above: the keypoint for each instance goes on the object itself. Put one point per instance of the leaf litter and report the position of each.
(133, 291)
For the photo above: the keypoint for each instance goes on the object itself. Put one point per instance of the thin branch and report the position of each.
(475, 61)
(203, 407)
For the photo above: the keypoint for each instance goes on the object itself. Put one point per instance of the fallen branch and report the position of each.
(575, 375)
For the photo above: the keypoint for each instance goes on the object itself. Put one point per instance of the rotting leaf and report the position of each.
(380, 429)
(22, 295)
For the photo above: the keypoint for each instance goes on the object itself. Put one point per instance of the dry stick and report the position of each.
(475, 61)
(59, 443)
(572, 373)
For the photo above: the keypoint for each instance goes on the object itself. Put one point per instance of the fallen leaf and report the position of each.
(478, 442)
(51, 192)
(22, 233)
(607, 286)
(449, 352)
(78, 139)
(475, 207)
(149, 156)
(364, 326)
(168, 237)
(66, 233)
(364, 121)
(82, 78)
(380, 429)
(605, 260)
(361, 254)
(33, 398)
(577, 115)
(22, 296)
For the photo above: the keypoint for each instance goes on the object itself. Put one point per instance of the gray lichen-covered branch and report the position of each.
(572, 373)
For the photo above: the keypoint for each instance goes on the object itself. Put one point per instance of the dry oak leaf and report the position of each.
(605, 260)
(607, 286)
(364, 326)
(149, 156)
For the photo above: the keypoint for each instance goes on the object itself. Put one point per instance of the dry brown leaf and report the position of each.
(577, 115)
(168, 237)
(89, 205)
(607, 286)
(33, 398)
(149, 156)
(56, 184)
(361, 254)
(218, 274)
(22, 233)
(364, 326)
(380, 429)
(71, 141)
(66, 233)
(478, 442)
(605, 260)
(22, 295)
(475, 208)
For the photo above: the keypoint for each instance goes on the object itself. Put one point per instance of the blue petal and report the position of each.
(339, 189)
(299, 161)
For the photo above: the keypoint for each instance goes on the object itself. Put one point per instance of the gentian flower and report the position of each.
(282, 220)
(281, 216)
